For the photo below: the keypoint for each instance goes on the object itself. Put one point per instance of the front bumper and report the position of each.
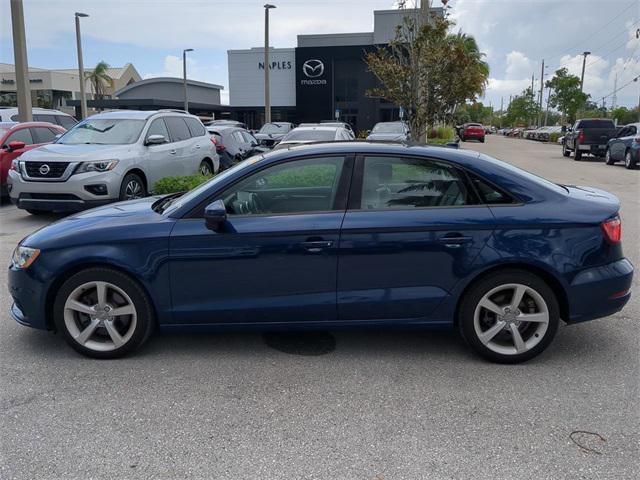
(600, 291)
(29, 298)
(64, 196)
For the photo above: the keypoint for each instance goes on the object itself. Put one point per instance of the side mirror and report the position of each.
(155, 140)
(215, 214)
(15, 145)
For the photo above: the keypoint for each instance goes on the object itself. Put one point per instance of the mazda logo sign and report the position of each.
(313, 68)
(44, 169)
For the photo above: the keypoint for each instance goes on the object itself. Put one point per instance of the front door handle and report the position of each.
(172, 152)
(455, 240)
(316, 246)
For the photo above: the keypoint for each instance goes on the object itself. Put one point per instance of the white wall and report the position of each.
(246, 78)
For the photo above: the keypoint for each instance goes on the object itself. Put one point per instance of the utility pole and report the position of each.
(584, 63)
(83, 95)
(501, 111)
(184, 77)
(546, 113)
(615, 88)
(23, 90)
(267, 99)
(541, 91)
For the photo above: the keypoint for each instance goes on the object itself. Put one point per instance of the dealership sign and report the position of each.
(283, 65)
(312, 69)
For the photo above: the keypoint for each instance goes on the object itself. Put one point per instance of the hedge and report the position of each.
(178, 184)
(553, 137)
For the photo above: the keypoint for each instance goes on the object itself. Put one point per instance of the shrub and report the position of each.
(178, 184)
(553, 137)
(445, 133)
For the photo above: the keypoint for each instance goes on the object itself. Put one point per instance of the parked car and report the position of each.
(226, 122)
(314, 133)
(17, 138)
(588, 136)
(390, 132)
(271, 133)
(473, 131)
(66, 121)
(234, 144)
(334, 235)
(335, 123)
(625, 147)
(111, 156)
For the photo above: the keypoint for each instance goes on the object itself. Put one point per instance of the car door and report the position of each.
(241, 142)
(158, 160)
(182, 145)
(275, 259)
(412, 230)
(7, 155)
(617, 144)
(197, 147)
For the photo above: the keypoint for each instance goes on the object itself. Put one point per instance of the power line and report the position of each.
(620, 88)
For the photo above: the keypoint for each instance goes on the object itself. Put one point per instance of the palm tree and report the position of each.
(99, 79)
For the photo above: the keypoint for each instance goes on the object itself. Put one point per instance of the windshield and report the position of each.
(178, 202)
(115, 131)
(270, 128)
(310, 135)
(388, 128)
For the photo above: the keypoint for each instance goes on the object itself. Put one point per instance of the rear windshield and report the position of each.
(596, 124)
(311, 135)
(388, 128)
(268, 128)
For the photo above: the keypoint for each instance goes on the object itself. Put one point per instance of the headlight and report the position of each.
(15, 165)
(97, 166)
(24, 256)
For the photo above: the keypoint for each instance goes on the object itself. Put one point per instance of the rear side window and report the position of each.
(23, 135)
(39, 117)
(43, 135)
(195, 127)
(177, 128)
(391, 183)
(65, 121)
(490, 194)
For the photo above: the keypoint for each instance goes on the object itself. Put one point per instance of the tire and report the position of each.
(463, 139)
(121, 292)
(607, 157)
(498, 343)
(629, 164)
(132, 187)
(565, 150)
(205, 168)
(482, 140)
(577, 154)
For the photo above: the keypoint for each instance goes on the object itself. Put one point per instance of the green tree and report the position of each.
(624, 115)
(566, 95)
(99, 79)
(523, 109)
(428, 71)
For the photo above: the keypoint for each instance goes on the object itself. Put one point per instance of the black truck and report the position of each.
(588, 135)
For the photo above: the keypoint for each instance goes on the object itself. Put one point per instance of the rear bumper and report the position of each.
(593, 149)
(600, 291)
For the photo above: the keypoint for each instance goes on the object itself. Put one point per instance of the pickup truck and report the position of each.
(589, 135)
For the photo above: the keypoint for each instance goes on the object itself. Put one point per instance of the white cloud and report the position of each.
(518, 65)
(195, 71)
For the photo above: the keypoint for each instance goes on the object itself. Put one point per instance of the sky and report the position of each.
(515, 35)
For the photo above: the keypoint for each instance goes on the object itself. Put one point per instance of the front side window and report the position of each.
(43, 135)
(115, 131)
(65, 121)
(22, 135)
(308, 185)
(391, 183)
(158, 127)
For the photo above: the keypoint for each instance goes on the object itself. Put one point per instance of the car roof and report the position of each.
(137, 114)
(37, 109)
(15, 125)
(318, 127)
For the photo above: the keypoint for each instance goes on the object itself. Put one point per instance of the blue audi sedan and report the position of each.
(327, 236)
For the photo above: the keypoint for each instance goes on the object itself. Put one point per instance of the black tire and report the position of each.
(467, 309)
(629, 164)
(565, 150)
(145, 321)
(126, 192)
(577, 154)
(482, 140)
(608, 159)
(205, 166)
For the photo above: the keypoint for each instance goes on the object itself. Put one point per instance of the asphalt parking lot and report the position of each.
(381, 405)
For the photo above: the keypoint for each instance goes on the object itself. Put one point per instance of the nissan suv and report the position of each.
(112, 156)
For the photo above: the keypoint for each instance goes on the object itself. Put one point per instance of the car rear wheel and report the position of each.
(103, 313)
(509, 317)
(205, 168)
(628, 161)
(132, 187)
(565, 150)
(607, 157)
(577, 155)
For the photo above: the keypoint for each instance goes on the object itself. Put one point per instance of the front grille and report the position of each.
(52, 169)
(49, 196)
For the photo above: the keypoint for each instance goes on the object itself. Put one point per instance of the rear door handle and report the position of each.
(455, 241)
(172, 152)
(316, 246)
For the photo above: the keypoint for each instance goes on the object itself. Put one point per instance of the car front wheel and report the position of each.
(103, 313)
(628, 161)
(607, 157)
(565, 150)
(132, 187)
(509, 317)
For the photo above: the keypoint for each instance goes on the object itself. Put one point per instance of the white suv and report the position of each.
(111, 156)
(10, 114)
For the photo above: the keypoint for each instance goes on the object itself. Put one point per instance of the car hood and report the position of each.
(390, 137)
(61, 152)
(99, 224)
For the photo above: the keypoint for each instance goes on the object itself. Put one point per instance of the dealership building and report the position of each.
(324, 76)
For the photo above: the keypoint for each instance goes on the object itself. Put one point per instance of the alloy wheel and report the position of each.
(100, 316)
(204, 169)
(133, 190)
(627, 159)
(511, 319)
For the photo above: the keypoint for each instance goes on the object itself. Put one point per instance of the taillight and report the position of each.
(581, 136)
(612, 230)
(219, 147)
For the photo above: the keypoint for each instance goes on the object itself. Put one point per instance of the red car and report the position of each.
(17, 138)
(473, 131)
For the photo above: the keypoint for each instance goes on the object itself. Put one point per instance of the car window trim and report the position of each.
(339, 202)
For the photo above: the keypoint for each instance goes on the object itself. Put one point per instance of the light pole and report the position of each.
(83, 97)
(584, 61)
(184, 77)
(267, 99)
(23, 91)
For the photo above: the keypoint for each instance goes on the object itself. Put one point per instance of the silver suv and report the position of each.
(111, 156)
